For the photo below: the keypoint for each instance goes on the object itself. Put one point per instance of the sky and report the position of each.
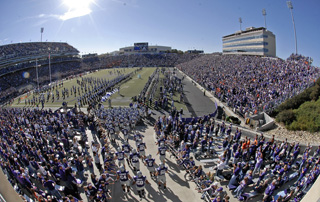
(102, 26)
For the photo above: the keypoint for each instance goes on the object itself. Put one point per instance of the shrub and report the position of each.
(307, 117)
(302, 112)
(286, 117)
(308, 94)
(314, 95)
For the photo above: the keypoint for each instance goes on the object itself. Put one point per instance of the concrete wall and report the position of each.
(257, 116)
(268, 122)
(7, 191)
(313, 195)
(271, 44)
(266, 126)
(250, 44)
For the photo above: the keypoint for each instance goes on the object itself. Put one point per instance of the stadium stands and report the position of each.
(47, 140)
(251, 84)
(18, 62)
(261, 168)
(14, 53)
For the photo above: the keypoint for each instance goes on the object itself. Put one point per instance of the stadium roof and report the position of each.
(246, 31)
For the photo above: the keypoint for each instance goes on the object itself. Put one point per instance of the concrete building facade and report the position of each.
(144, 48)
(252, 41)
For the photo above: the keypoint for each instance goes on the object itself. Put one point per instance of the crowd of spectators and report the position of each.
(271, 170)
(144, 60)
(298, 57)
(45, 153)
(22, 81)
(36, 152)
(34, 48)
(251, 83)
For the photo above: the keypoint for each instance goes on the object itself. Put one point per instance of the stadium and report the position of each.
(153, 123)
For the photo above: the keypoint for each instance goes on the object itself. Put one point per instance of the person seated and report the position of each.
(269, 191)
(210, 189)
(243, 184)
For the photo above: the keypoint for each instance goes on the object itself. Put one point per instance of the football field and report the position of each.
(107, 74)
(131, 88)
(128, 89)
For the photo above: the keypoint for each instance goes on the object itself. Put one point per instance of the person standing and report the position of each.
(140, 182)
(134, 157)
(162, 151)
(149, 162)
(126, 148)
(124, 177)
(141, 149)
(120, 156)
(96, 157)
(161, 175)
(50, 185)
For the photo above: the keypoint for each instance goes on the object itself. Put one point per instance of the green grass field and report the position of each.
(108, 74)
(128, 89)
(131, 88)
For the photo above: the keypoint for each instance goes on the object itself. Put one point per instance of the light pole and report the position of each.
(41, 31)
(49, 65)
(289, 4)
(264, 13)
(37, 72)
(240, 21)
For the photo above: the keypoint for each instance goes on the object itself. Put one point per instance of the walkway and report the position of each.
(178, 189)
(197, 103)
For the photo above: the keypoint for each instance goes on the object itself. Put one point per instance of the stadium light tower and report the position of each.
(240, 21)
(49, 65)
(289, 4)
(41, 31)
(264, 13)
(37, 72)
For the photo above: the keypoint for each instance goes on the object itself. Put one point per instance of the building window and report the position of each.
(265, 50)
(246, 38)
(247, 44)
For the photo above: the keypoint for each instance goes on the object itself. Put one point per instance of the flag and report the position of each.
(41, 29)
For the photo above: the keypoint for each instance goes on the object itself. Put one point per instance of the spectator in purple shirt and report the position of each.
(50, 185)
(258, 164)
(269, 191)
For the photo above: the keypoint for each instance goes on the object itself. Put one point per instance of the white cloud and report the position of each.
(75, 13)
(77, 8)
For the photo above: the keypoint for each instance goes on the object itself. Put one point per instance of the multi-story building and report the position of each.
(252, 41)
